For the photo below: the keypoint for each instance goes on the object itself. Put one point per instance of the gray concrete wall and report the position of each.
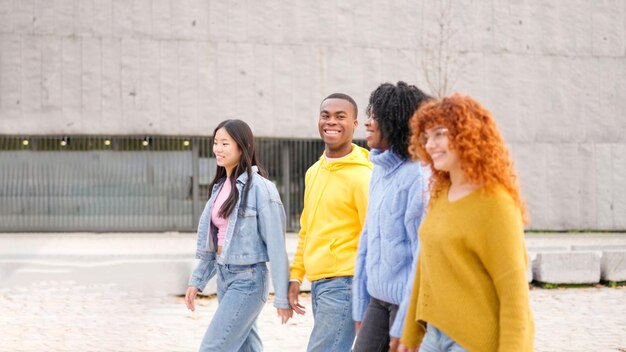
(552, 72)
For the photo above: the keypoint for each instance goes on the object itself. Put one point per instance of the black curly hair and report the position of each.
(392, 107)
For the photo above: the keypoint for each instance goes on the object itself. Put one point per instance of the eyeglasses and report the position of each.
(438, 135)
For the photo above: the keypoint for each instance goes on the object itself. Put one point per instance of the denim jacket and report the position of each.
(255, 233)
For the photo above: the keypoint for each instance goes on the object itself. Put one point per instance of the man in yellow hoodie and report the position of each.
(335, 201)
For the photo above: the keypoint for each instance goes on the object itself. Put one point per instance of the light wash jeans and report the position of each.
(242, 291)
(436, 340)
(333, 327)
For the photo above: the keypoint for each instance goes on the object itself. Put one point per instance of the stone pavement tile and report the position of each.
(67, 316)
(580, 319)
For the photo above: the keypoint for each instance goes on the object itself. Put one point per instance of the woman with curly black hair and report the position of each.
(388, 246)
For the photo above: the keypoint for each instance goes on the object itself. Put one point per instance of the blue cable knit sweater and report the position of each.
(387, 254)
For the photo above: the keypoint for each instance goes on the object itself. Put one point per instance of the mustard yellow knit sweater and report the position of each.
(471, 276)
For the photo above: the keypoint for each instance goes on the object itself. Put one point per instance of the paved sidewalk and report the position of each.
(113, 292)
(66, 316)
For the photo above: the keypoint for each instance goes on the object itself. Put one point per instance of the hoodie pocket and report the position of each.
(319, 257)
(332, 248)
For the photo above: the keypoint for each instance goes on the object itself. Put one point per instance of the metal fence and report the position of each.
(122, 183)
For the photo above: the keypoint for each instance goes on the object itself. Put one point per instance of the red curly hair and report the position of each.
(472, 132)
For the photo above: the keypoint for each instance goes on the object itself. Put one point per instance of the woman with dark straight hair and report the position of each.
(241, 228)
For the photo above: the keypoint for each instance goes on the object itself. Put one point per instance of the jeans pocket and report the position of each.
(340, 287)
(239, 269)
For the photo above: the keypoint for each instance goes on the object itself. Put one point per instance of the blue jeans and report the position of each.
(242, 291)
(436, 340)
(333, 327)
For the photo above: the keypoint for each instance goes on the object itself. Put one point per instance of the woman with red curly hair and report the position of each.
(470, 291)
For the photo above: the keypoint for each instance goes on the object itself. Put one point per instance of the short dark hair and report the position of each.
(392, 107)
(347, 98)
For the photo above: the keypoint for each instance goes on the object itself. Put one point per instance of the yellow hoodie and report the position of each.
(335, 201)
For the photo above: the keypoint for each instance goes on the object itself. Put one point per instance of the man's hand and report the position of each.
(285, 314)
(294, 291)
(190, 296)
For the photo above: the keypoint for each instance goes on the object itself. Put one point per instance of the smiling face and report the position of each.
(336, 126)
(226, 150)
(436, 142)
(374, 135)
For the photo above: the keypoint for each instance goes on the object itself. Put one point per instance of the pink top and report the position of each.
(219, 222)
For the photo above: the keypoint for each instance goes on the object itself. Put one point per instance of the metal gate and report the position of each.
(121, 183)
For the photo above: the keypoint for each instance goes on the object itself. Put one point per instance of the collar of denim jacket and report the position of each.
(243, 178)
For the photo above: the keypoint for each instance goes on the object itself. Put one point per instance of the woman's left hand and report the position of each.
(285, 314)
(190, 296)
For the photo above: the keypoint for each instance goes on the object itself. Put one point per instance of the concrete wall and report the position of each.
(552, 72)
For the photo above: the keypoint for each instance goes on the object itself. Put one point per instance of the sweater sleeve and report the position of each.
(361, 194)
(412, 219)
(360, 296)
(414, 330)
(503, 254)
(359, 305)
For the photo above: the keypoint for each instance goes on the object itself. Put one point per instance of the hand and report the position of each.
(294, 291)
(190, 296)
(285, 314)
(357, 326)
(403, 348)
(393, 344)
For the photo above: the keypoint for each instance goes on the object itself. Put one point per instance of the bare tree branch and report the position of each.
(442, 63)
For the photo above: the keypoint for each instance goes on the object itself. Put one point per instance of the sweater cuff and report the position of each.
(398, 323)
(359, 306)
(396, 329)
